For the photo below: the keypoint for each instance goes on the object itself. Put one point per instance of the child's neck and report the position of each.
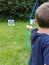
(43, 30)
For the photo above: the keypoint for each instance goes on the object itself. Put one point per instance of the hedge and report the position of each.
(17, 8)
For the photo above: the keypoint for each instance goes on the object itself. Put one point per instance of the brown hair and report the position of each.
(42, 15)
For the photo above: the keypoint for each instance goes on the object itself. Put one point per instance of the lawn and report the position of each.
(13, 44)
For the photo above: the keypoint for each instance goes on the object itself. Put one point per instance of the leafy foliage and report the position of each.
(17, 8)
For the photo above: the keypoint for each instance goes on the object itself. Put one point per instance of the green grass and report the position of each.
(13, 44)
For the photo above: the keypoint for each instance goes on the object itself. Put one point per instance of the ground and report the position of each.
(13, 44)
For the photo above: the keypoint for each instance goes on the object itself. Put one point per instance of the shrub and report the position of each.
(17, 8)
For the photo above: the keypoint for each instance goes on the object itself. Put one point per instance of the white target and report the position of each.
(11, 22)
(32, 21)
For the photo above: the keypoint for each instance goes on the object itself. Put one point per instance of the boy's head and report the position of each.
(42, 15)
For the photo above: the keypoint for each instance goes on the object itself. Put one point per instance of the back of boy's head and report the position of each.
(42, 15)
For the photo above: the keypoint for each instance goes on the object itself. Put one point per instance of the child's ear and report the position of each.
(36, 21)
